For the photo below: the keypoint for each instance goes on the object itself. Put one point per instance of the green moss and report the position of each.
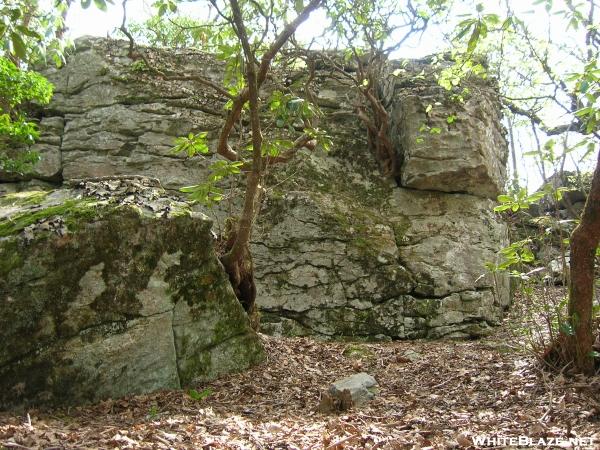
(72, 211)
(25, 198)
(233, 321)
(81, 214)
(371, 192)
(198, 366)
(426, 308)
(358, 351)
(400, 228)
(129, 247)
(359, 226)
(178, 211)
(278, 209)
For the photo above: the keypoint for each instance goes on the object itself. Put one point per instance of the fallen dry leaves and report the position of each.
(431, 395)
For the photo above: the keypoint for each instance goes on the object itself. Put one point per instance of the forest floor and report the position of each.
(432, 394)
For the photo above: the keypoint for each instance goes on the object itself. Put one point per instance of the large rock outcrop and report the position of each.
(108, 289)
(339, 249)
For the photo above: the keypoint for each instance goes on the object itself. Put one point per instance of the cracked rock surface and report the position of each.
(111, 288)
(338, 249)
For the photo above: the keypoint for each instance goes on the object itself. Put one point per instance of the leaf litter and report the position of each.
(432, 394)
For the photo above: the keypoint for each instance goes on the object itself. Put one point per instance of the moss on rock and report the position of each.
(120, 297)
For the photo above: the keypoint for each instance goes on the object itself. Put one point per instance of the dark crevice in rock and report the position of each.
(115, 325)
(420, 296)
(178, 351)
(299, 319)
(196, 107)
(444, 192)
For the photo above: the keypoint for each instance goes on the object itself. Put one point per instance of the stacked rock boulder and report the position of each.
(339, 249)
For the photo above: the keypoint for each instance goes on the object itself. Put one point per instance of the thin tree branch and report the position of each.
(223, 147)
(197, 78)
(533, 117)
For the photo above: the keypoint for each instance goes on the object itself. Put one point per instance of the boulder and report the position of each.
(355, 390)
(111, 288)
(447, 141)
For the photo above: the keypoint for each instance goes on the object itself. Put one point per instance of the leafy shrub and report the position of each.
(541, 322)
(17, 133)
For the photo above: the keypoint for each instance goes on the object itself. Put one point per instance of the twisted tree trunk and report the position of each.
(237, 259)
(584, 241)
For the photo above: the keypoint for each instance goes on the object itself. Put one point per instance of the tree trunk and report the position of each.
(584, 241)
(237, 259)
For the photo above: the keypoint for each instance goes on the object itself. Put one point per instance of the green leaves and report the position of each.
(192, 144)
(165, 6)
(290, 111)
(28, 29)
(100, 4)
(274, 147)
(19, 130)
(516, 254)
(20, 163)
(479, 27)
(463, 28)
(18, 45)
(17, 87)
(520, 200)
(517, 200)
(567, 329)
(175, 32)
(464, 67)
(208, 193)
(474, 39)
(323, 139)
(424, 128)
(199, 396)
(28, 32)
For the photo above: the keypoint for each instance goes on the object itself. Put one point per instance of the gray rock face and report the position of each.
(110, 289)
(338, 250)
(468, 154)
(104, 123)
(447, 141)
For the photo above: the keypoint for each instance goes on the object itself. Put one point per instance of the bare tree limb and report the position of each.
(532, 116)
